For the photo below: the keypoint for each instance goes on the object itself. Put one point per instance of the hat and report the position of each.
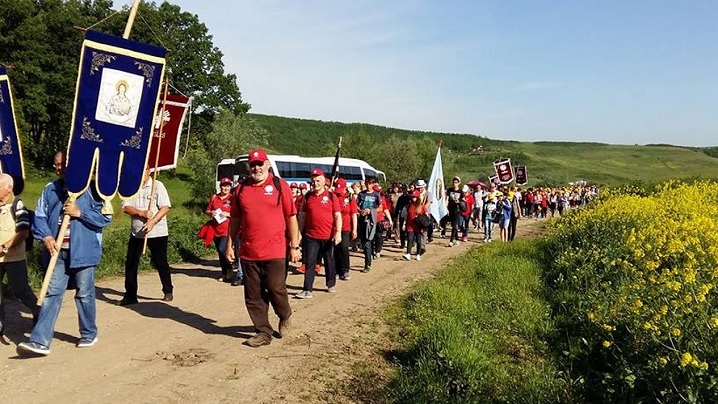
(316, 172)
(257, 155)
(457, 178)
(499, 193)
(303, 185)
(420, 184)
(465, 188)
(377, 188)
(225, 180)
(340, 186)
(293, 185)
(416, 193)
(511, 195)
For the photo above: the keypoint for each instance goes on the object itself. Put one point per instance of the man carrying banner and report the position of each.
(150, 222)
(79, 250)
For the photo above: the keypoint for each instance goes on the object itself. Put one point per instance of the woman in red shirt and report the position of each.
(219, 210)
(414, 232)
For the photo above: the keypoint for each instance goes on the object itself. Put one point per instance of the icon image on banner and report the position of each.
(119, 98)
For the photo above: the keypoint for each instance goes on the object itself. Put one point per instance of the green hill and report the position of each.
(553, 163)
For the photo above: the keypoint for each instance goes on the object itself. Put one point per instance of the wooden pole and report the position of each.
(157, 157)
(54, 257)
(131, 19)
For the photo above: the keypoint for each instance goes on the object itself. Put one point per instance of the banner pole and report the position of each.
(131, 19)
(54, 257)
(157, 157)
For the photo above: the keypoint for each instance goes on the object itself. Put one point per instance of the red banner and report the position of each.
(173, 115)
(504, 171)
(522, 176)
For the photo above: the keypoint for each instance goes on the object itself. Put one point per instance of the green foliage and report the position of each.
(632, 286)
(477, 332)
(231, 135)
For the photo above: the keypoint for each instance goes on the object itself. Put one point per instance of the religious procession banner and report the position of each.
(10, 148)
(173, 115)
(522, 176)
(494, 179)
(504, 171)
(437, 189)
(116, 99)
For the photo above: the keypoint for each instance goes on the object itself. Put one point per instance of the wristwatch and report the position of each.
(295, 248)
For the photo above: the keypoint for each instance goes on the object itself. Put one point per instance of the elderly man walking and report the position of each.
(264, 212)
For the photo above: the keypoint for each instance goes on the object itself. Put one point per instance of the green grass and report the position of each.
(478, 332)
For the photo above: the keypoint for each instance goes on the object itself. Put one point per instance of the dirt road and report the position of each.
(190, 349)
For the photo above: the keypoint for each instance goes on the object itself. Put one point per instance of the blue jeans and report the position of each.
(220, 244)
(488, 226)
(84, 300)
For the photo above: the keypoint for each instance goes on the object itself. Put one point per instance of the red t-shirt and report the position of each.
(320, 209)
(349, 208)
(380, 212)
(298, 201)
(220, 229)
(412, 211)
(469, 205)
(262, 222)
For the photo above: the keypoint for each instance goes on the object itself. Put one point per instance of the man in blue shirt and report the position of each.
(368, 203)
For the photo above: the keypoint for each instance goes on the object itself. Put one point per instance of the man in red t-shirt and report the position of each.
(264, 212)
(349, 228)
(320, 233)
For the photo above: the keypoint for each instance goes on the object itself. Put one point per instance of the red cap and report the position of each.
(293, 185)
(416, 193)
(316, 172)
(377, 188)
(225, 180)
(257, 155)
(303, 185)
(340, 186)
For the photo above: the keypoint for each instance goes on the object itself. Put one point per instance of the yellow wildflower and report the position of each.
(686, 358)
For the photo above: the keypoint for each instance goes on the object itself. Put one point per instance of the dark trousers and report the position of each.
(402, 233)
(367, 244)
(512, 227)
(454, 227)
(265, 282)
(430, 230)
(341, 254)
(419, 238)
(315, 251)
(378, 241)
(158, 251)
(19, 286)
(220, 243)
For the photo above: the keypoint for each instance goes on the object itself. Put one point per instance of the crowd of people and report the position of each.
(262, 229)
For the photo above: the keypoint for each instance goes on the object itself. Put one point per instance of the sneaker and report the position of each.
(430, 240)
(238, 282)
(305, 294)
(33, 348)
(258, 340)
(332, 289)
(127, 301)
(167, 297)
(418, 257)
(318, 269)
(285, 326)
(464, 239)
(345, 277)
(406, 257)
(86, 342)
(378, 255)
(366, 269)
(488, 241)
(451, 244)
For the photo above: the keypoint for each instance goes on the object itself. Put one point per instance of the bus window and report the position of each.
(369, 173)
(241, 170)
(225, 170)
(355, 174)
(285, 169)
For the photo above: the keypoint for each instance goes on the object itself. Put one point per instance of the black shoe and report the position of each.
(168, 297)
(127, 301)
(238, 282)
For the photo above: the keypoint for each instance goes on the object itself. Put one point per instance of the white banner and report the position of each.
(437, 190)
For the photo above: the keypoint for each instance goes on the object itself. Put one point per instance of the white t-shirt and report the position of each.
(141, 202)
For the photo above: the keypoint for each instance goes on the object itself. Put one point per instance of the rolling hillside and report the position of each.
(552, 163)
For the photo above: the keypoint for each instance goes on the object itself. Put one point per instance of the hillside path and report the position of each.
(190, 349)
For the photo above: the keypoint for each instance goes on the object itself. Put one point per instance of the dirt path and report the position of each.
(190, 350)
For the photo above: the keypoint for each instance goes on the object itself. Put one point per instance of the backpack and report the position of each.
(275, 181)
(29, 241)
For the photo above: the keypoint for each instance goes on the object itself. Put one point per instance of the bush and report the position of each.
(633, 280)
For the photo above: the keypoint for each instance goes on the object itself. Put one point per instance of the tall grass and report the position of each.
(477, 333)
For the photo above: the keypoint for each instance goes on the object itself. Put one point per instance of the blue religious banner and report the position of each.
(118, 89)
(10, 149)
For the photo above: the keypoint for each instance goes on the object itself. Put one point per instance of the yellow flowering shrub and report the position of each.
(634, 288)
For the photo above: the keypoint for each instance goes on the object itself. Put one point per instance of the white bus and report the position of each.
(297, 169)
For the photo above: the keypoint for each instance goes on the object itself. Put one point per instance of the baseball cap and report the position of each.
(415, 193)
(293, 185)
(340, 186)
(303, 185)
(315, 172)
(377, 188)
(257, 155)
(465, 188)
(225, 180)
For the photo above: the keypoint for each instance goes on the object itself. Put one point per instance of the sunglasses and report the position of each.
(256, 164)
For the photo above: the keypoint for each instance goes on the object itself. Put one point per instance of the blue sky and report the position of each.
(620, 72)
